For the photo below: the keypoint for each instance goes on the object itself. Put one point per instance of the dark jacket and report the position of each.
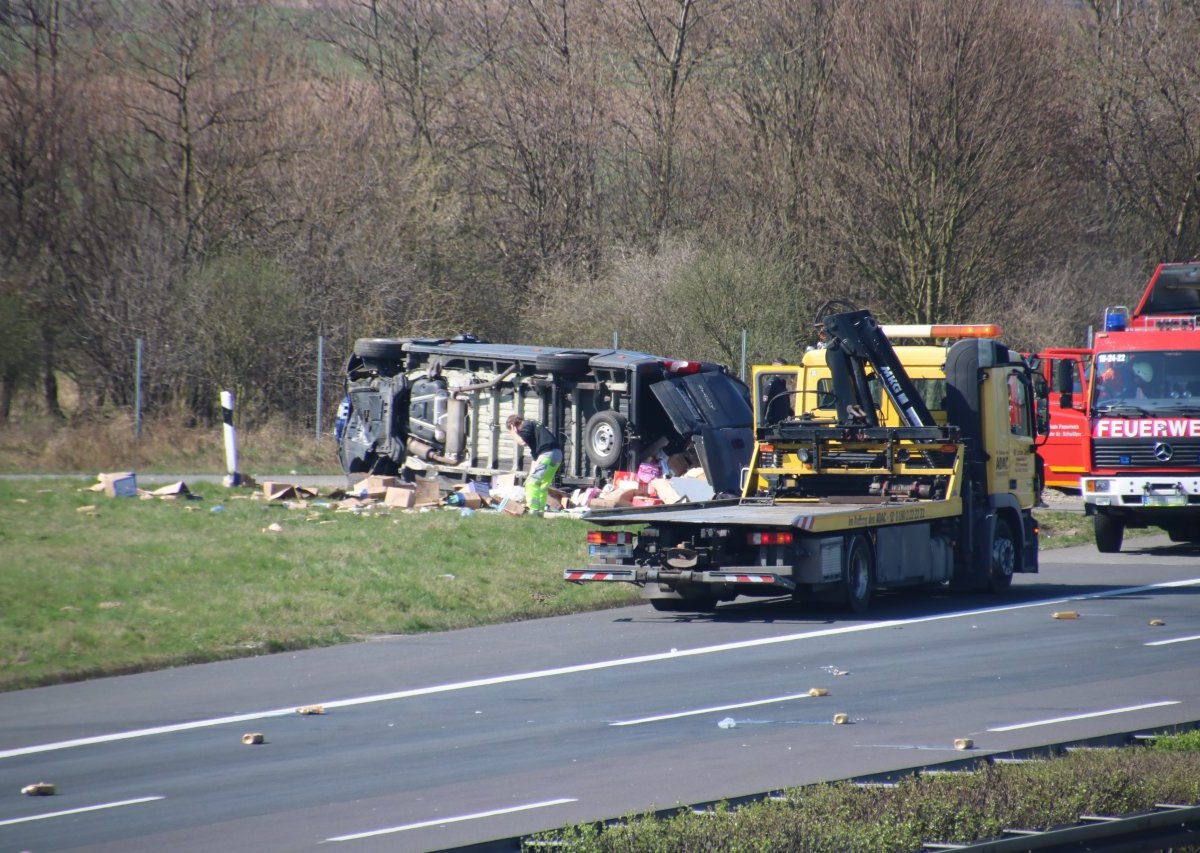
(537, 438)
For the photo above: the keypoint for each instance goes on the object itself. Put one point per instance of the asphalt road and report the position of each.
(436, 741)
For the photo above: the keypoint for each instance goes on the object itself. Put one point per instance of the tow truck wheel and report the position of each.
(707, 604)
(1004, 559)
(1109, 533)
(860, 574)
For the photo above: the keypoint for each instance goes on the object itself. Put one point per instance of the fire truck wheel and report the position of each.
(1004, 559)
(1109, 533)
(1181, 533)
(860, 574)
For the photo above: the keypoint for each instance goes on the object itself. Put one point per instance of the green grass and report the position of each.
(145, 584)
(951, 808)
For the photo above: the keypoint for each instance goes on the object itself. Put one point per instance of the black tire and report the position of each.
(704, 604)
(604, 438)
(860, 574)
(1181, 533)
(564, 363)
(390, 349)
(1110, 532)
(1004, 559)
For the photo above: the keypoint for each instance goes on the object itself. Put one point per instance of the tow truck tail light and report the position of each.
(682, 367)
(770, 537)
(609, 537)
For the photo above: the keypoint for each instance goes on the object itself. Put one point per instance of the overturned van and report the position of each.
(439, 407)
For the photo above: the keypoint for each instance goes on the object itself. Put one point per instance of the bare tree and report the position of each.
(665, 44)
(948, 153)
(786, 58)
(1146, 97)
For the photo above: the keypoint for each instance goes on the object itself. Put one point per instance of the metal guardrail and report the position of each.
(1168, 826)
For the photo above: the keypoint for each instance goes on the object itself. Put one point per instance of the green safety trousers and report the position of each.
(541, 476)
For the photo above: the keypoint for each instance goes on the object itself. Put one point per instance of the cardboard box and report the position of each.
(684, 488)
(403, 496)
(274, 491)
(646, 500)
(502, 484)
(556, 499)
(464, 497)
(119, 484)
(618, 496)
(428, 493)
(173, 490)
(511, 506)
(374, 487)
(679, 464)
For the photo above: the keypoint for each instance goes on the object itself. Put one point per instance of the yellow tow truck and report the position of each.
(892, 466)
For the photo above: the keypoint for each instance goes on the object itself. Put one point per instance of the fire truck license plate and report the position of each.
(1166, 500)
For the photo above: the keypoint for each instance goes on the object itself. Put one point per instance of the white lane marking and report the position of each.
(428, 823)
(587, 667)
(714, 709)
(1082, 716)
(81, 810)
(1176, 640)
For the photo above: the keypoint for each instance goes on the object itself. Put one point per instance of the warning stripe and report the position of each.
(805, 522)
(589, 576)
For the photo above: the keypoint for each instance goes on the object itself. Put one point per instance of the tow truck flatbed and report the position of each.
(818, 516)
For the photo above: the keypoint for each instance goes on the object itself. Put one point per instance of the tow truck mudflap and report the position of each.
(738, 575)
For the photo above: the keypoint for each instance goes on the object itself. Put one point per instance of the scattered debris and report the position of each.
(964, 743)
(117, 484)
(274, 527)
(39, 789)
(90, 509)
(727, 723)
(1065, 614)
(818, 691)
(840, 719)
(310, 710)
(253, 738)
(1157, 623)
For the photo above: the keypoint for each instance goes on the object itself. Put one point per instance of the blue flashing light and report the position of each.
(1115, 319)
(1125, 460)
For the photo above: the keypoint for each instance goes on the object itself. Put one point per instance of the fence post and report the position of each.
(742, 370)
(137, 391)
(320, 382)
(232, 477)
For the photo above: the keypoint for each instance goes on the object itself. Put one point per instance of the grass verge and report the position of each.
(958, 808)
(144, 584)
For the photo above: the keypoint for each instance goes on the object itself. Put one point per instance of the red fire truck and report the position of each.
(1125, 428)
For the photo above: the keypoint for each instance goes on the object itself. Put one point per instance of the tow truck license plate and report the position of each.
(610, 550)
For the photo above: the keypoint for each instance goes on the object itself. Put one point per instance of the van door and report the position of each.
(713, 410)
